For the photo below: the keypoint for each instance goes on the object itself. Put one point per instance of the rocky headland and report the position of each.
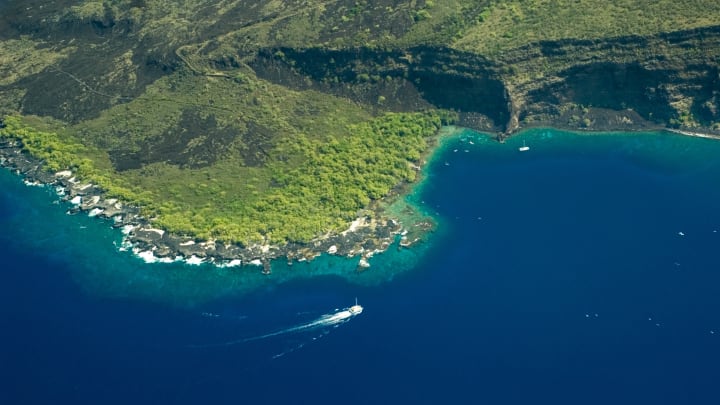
(213, 106)
(365, 237)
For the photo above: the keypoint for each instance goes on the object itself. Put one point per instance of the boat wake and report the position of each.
(324, 321)
(322, 324)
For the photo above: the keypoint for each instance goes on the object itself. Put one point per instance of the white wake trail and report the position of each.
(325, 321)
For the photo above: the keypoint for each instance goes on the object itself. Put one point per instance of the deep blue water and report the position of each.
(559, 276)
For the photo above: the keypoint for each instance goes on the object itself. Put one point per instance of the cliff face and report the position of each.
(414, 78)
(622, 83)
(669, 79)
(87, 57)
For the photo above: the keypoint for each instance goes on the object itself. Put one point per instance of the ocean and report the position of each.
(582, 271)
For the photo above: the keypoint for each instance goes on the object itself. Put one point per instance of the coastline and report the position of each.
(397, 219)
(372, 232)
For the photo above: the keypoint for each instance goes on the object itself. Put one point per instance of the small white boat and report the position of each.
(355, 309)
(524, 147)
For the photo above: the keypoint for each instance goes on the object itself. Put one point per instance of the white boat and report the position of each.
(355, 309)
(524, 147)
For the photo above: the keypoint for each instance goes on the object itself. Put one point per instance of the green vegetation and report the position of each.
(510, 24)
(324, 193)
(67, 153)
(57, 154)
(332, 182)
(23, 57)
(232, 26)
(234, 105)
(206, 114)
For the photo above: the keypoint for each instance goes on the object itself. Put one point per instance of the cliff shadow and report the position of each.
(407, 80)
(475, 94)
(613, 86)
(706, 103)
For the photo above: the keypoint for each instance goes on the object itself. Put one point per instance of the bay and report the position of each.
(584, 270)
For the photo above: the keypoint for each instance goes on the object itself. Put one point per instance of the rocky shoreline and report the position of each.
(366, 236)
(593, 119)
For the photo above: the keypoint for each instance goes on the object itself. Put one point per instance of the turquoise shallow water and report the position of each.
(90, 249)
(582, 271)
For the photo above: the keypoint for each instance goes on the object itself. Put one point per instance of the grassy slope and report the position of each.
(226, 154)
(510, 24)
(228, 187)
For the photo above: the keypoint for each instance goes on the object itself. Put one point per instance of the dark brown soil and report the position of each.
(194, 142)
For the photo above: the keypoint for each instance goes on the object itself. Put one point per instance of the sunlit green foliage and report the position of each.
(61, 154)
(334, 180)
